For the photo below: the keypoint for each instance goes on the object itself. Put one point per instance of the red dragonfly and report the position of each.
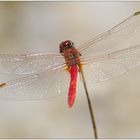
(47, 74)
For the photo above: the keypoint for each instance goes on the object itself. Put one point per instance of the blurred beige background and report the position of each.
(32, 27)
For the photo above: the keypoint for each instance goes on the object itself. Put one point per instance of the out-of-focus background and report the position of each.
(33, 27)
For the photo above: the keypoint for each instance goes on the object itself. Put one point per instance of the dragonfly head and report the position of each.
(66, 45)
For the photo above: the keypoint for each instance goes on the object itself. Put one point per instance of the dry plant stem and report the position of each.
(89, 106)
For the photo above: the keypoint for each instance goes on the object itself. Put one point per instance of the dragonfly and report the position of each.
(45, 75)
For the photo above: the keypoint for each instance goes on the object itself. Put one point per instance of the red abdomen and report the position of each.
(72, 88)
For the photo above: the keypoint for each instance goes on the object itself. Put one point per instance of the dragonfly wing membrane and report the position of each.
(28, 64)
(105, 67)
(108, 41)
(39, 86)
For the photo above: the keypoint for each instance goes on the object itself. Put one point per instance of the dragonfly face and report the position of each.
(66, 45)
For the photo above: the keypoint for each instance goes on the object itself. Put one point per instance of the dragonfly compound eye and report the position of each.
(61, 48)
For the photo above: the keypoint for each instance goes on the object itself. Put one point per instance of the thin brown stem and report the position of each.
(89, 106)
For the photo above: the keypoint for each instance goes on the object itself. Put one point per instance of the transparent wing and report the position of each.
(47, 84)
(105, 67)
(107, 42)
(29, 64)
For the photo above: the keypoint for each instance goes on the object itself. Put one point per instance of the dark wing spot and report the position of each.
(3, 85)
(137, 13)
